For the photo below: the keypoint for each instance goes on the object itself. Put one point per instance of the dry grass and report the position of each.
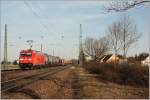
(96, 88)
(9, 67)
(126, 74)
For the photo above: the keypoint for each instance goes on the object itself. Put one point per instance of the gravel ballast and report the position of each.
(56, 86)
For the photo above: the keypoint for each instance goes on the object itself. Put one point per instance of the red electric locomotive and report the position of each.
(29, 58)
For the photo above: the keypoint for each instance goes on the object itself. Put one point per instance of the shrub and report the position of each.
(131, 74)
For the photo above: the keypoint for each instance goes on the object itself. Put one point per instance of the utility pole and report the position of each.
(61, 45)
(5, 47)
(81, 53)
(124, 45)
(53, 52)
(41, 43)
(41, 47)
(80, 38)
(62, 36)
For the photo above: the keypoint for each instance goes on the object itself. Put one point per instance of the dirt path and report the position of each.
(92, 88)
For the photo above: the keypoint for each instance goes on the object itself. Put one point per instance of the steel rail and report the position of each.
(22, 76)
(30, 79)
(13, 79)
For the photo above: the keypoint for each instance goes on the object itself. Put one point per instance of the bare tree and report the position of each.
(96, 48)
(123, 34)
(89, 46)
(114, 35)
(129, 34)
(123, 5)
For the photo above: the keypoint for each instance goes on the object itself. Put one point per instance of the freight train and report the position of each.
(33, 59)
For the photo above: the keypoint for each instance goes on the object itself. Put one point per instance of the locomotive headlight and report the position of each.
(29, 59)
(21, 59)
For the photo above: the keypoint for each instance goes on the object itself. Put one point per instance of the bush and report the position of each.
(129, 74)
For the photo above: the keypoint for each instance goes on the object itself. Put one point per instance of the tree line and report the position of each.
(121, 35)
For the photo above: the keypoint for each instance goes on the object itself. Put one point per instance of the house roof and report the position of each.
(143, 57)
(107, 57)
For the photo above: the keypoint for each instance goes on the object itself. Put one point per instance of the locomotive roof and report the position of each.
(30, 50)
(27, 50)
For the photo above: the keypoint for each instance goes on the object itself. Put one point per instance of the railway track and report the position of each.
(6, 75)
(9, 70)
(20, 82)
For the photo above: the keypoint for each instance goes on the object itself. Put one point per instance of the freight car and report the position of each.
(52, 59)
(31, 58)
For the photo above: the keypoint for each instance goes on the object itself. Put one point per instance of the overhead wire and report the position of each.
(36, 14)
(45, 15)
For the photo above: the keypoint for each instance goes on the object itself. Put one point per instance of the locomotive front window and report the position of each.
(26, 54)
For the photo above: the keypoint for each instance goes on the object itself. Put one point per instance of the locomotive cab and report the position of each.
(25, 59)
(31, 58)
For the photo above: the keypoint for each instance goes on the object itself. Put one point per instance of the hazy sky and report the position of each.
(52, 20)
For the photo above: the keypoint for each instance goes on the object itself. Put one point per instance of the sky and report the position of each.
(58, 23)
